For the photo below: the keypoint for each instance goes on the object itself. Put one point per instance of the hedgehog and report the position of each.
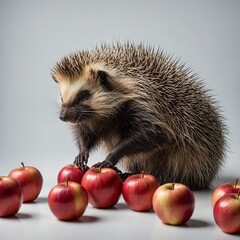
(146, 109)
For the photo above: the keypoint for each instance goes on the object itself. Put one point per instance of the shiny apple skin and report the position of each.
(103, 186)
(68, 201)
(223, 189)
(226, 213)
(72, 172)
(138, 191)
(11, 196)
(174, 203)
(31, 181)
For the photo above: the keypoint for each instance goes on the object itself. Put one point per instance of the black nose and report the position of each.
(63, 118)
(63, 114)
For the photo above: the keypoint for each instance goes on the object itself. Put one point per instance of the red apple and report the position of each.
(10, 196)
(173, 203)
(30, 180)
(68, 201)
(138, 190)
(73, 172)
(226, 213)
(103, 185)
(224, 189)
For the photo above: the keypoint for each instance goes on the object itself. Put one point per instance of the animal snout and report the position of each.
(63, 114)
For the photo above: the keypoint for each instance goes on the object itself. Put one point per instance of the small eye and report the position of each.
(83, 95)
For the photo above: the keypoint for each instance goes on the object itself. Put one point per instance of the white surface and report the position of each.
(35, 221)
(35, 34)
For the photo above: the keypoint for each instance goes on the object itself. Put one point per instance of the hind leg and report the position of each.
(171, 166)
(182, 167)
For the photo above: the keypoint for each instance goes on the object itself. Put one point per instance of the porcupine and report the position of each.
(148, 110)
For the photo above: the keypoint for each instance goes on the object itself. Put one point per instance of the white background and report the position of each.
(36, 34)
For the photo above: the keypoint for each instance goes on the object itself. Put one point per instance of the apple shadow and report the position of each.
(88, 219)
(195, 223)
(234, 234)
(85, 219)
(117, 207)
(124, 206)
(23, 215)
(38, 200)
(19, 216)
(120, 206)
(41, 200)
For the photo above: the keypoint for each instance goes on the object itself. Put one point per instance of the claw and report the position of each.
(103, 165)
(106, 164)
(81, 160)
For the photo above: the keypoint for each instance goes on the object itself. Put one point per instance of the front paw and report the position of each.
(106, 164)
(103, 164)
(81, 160)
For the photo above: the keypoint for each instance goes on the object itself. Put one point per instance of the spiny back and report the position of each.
(134, 61)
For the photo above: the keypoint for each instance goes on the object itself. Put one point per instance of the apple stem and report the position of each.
(23, 164)
(142, 174)
(67, 180)
(236, 182)
(173, 185)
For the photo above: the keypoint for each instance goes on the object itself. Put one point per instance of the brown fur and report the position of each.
(147, 97)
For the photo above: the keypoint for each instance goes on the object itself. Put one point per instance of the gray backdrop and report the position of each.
(35, 34)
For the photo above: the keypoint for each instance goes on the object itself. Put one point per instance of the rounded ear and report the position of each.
(103, 78)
